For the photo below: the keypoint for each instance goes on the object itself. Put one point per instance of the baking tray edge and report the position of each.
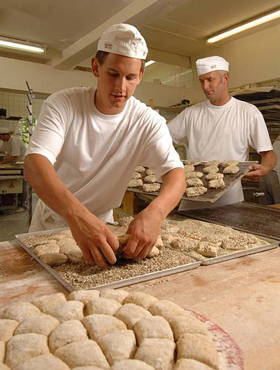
(247, 252)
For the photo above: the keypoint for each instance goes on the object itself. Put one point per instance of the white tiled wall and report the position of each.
(15, 104)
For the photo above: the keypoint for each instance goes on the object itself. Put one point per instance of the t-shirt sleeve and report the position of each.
(159, 154)
(51, 129)
(259, 137)
(178, 128)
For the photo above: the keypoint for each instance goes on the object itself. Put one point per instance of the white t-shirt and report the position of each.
(95, 154)
(15, 147)
(220, 132)
(276, 148)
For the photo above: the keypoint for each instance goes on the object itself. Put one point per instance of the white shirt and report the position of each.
(220, 132)
(95, 154)
(15, 147)
(276, 148)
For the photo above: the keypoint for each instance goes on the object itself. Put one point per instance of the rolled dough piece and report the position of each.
(214, 176)
(82, 353)
(118, 345)
(46, 248)
(140, 169)
(195, 181)
(131, 313)
(154, 252)
(189, 364)
(47, 302)
(150, 179)
(194, 162)
(134, 183)
(38, 324)
(20, 311)
(229, 162)
(71, 310)
(73, 252)
(118, 295)
(136, 175)
(166, 309)
(140, 299)
(103, 306)
(206, 249)
(231, 170)
(198, 347)
(195, 191)
(2, 351)
(24, 346)
(66, 241)
(216, 184)
(158, 353)
(149, 188)
(67, 332)
(189, 168)
(149, 172)
(152, 327)
(43, 362)
(211, 169)
(182, 324)
(83, 295)
(7, 328)
(54, 259)
(99, 325)
(212, 163)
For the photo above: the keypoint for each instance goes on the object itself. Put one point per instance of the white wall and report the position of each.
(43, 78)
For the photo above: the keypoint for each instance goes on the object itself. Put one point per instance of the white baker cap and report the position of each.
(123, 39)
(4, 130)
(211, 64)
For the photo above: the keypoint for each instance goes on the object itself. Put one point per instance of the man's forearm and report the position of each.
(41, 175)
(268, 160)
(172, 189)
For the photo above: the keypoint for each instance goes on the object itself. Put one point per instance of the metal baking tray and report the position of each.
(230, 256)
(212, 194)
(116, 284)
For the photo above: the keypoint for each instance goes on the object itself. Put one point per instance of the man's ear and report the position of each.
(95, 66)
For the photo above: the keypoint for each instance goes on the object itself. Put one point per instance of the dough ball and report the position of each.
(195, 181)
(131, 313)
(67, 332)
(186, 324)
(118, 295)
(189, 364)
(82, 353)
(2, 351)
(195, 191)
(47, 302)
(212, 163)
(135, 183)
(166, 309)
(190, 175)
(38, 324)
(43, 362)
(211, 169)
(131, 365)
(20, 311)
(71, 310)
(189, 168)
(214, 176)
(7, 328)
(83, 295)
(141, 299)
(104, 306)
(99, 325)
(229, 162)
(231, 170)
(46, 248)
(24, 346)
(216, 184)
(136, 175)
(154, 252)
(54, 259)
(140, 169)
(150, 188)
(152, 327)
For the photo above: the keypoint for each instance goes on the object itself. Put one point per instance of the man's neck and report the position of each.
(221, 101)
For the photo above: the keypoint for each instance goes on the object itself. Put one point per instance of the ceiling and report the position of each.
(175, 30)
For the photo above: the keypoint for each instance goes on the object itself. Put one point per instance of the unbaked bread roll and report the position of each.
(186, 323)
(166, 309)
(134, 183)
(83, 295)
(189, 364)
(2, 351)
(118, 345)
(131, 313)
(7, 328)
(71, 310)
(190, 175)
(152, 327)
(131, 365)
(39, 324)
(103, 306)
(231, 170)
(118, 295)
(83, 353)
(150, 188)
(67, 332)
(54, 259)
(140, 299)
(195, 191)
(24, 346)
(189, 168)
(99, 325)
(211, 169)
(214, 176)
(190, 345)
(20, 311)
(158, 353)
(216, 184)
(47, 302)
(46, 248)
(195, 181)
(43, 362)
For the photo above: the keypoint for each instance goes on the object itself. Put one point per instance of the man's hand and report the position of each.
(256, 171)
(144, 230)
(95, 239)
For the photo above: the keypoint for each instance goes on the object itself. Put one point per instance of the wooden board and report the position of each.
(212, 194)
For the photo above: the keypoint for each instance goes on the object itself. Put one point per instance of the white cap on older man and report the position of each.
(4, 130)
(123, 39)
(211, 64)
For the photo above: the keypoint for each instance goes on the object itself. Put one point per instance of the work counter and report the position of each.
(242, 296)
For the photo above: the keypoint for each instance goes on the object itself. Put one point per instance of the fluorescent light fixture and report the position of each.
(149, 63)
(246, 26)
(21, 45)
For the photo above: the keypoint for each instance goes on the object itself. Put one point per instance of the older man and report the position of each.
(13, 145)
(86, 147)
(221, 128)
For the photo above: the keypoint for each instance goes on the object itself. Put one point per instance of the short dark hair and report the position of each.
(101, 56)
